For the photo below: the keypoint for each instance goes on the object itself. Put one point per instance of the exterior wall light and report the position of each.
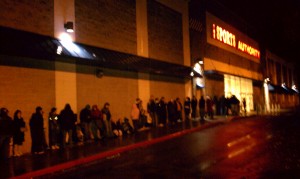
(69, 27)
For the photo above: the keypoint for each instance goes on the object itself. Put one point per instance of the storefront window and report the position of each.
(241, 88)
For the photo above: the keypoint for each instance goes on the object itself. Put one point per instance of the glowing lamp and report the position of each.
(69, 27)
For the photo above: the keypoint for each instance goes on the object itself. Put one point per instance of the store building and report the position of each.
(281, 89)
(231, 59)
(82, 52)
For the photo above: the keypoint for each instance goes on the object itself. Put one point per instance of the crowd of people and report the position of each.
(96, 124)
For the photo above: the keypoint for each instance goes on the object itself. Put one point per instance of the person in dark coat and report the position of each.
(54, 129)
(202, 108)
(187, 108)
(209, 107)
(19, 130)
(194, 107)
(86, 121)
(178, 109)
(67, 122)
(126, 127)
(117, 128)
(151, 109)
(37, 131)
(216, 102)
(172, 112)
(162, 112)
(222, 105)
(107, 120)
(6, 132)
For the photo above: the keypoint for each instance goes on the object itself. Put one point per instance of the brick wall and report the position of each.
(169, 87)
(164, 33)
(107, 23)
(25, 89)
(29, 15)
(119, 88)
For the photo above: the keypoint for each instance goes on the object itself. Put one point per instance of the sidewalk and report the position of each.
(29, 166)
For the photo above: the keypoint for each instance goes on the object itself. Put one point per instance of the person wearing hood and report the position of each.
(37, 131)
(67, 123)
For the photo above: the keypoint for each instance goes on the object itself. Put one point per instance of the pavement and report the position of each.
(32, 166)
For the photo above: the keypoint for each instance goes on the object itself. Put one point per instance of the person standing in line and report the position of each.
(244, 106)
(135, 115)
(172, 111)
(222, 105)
(187, 108)
(54, 129)
(6, 132)
(67, 123)
(210, 107)
(151, 109)
(162, 111)
(97, 123)
(179, 109)
(202, 108)
(19, 136)
(85, 120)
(194, 103)
(107, 119)
(37, 131)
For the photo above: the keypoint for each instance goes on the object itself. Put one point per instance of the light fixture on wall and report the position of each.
(99, 73)
(69, 27)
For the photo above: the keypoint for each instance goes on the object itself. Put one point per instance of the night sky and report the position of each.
(277, 23)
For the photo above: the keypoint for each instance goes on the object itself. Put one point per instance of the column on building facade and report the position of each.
(142, 48)
(182, 6)
(65, 73)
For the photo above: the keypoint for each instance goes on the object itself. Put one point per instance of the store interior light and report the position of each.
(267, 80)
(295, 88)
(69, 27)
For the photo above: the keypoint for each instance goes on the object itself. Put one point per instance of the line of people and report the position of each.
(96, 124)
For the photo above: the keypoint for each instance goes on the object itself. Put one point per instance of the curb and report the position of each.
(107, 154)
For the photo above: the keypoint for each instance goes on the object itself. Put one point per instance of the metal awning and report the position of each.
(25, 44)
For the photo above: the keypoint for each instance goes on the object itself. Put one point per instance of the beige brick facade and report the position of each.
(25, 89)
(109, 24)
(165, 33)
(28, 15)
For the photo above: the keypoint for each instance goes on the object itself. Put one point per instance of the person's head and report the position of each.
(106, 105)
(162, 99)
(39, 110)
(68, 107)
(3, 112)
(194, 97)
(94, 107)
(53, 110)
(88, 107)
(18, 114)
(137, 100)
(188, 98)
(151, 97)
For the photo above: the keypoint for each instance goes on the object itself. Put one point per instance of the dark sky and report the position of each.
(277, 23)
